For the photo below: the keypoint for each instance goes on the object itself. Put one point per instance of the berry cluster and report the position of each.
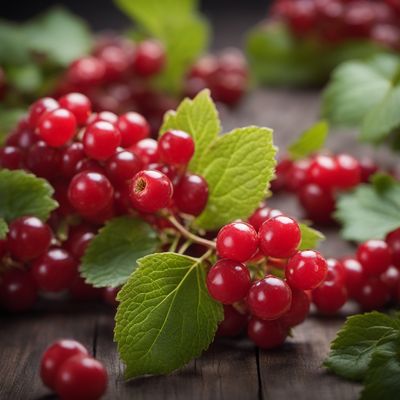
(337, 21)
(67, 369)
(100, 165)
(248, 277)
(316, 180)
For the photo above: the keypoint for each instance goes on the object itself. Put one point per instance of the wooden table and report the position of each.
(229, 369)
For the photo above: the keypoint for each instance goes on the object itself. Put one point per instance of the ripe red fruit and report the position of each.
(18, 291)
(355, 276)
(330, 296)
(106, 116)
(147, 150)
(176, 147)
(86, 72)
(348, 171)
(269, 298)
(279, 237)
(109, 295)
(57, 127)
(299, 309)
(28, 238)
(267, 334)
(373, 294)
(233, 323)
(133, 127)
(78, 240)
(82, 291)
(123, 166)
(228, 281)
(78, 104)
(191, 194)
(55, 355)
(100, 140)
(81, 378)
(298, 175)
(149, 58)
(40, 107)
(11, 157)
(375, 256)
(43, 160)
(71, 156)
(393, 240)
(90, 192)
(54, 271)
(237, 241)
(323, 172)
(150, 191)
(306, 270)
(261, 215)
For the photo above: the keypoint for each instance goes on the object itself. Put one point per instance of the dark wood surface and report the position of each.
(232, 369)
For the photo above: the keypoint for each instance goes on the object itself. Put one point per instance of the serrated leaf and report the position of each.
(382, 379)
(356, 342)
(310, 238)
(3, 228)
(112, 255)
(238, 167)
(199, 118)
(165, 316)
(370, 211)
(310, 141)
(178, 25)
(59, 34)
(24, 194)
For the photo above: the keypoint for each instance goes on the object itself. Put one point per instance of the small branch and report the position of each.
(189, 235)
(184, 247)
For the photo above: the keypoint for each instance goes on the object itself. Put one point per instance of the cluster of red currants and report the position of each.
(67, 369)
(337, 21)
(246, 277)
(100, 165)
(316, 180)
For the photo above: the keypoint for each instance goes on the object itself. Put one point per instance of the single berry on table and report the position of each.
(267, 334)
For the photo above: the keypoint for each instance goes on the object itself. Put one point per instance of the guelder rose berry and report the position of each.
(228, 281)
(237, 241)
(150, 191)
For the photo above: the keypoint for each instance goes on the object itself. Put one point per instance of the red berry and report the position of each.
(323, 171)
(17, 291)
(228, 281)
(282, 169)
(78, 104)
(191, 194)
(11, 157)
(237, 241)
(228, 88)
(150, 191)
(149, 58)
(81, 378)
(123, 166)
(279, 237)
(28, 238)
(336, 270)
(54, 271)
(393, 240)
(306, 270)
(71, 156)
(176, 147)
(261, 215)
(43, 160)
(298, 175)
(40, 107)
(267, 334)
(82, 291)
(358, 18)
(55, 355)
(116, 62)
(90, 192)
(133, 127)
(106, 116)
(355, 276)
(109, 295)
(100, 140)
(233, 323)
(269, 298)
(391, 278)
(147, 150)
(373, 294)
(348, 171)
(57, 127)
(88, 165)
(368, 168)
(86, 72)
(375, 257)
(330, 296)
(299, 309)
(79, 239)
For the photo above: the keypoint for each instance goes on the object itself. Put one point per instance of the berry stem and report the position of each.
(184, 247)
(190, 236)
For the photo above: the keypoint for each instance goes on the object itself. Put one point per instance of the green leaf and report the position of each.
(24, 194)
(13, 48)
(370, 211)
(199, 118)
(356, 342)
(310, 141)
(382, 379)
(59, 34)
(3, 228)
(310, 238)
(8, 119)
(112, 255)
(177, 24)
(165, 316)
(238, 167)
(25, 78)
